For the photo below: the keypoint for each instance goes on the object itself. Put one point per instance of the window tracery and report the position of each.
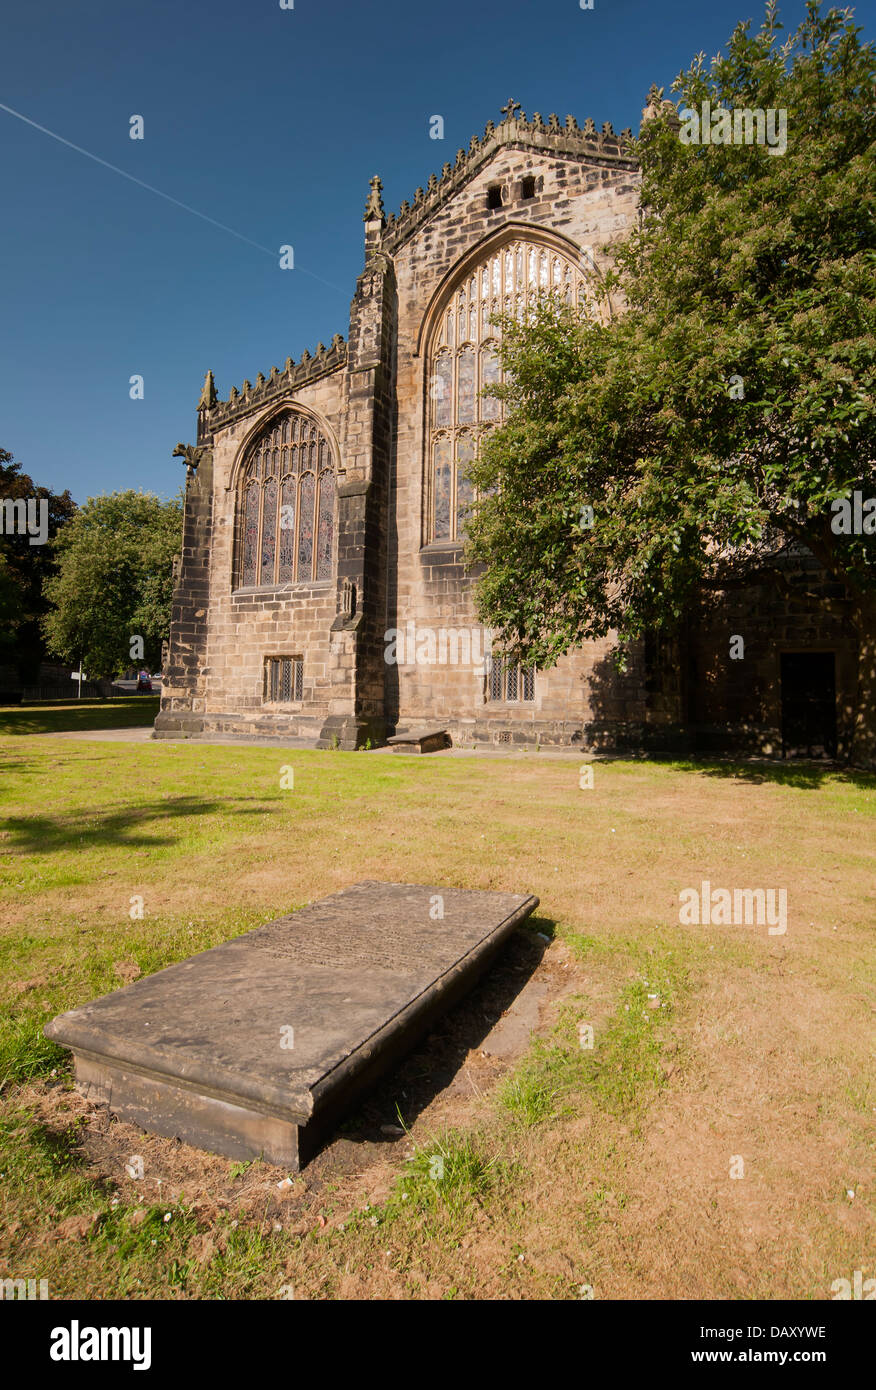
(463, 359)
(286, 505)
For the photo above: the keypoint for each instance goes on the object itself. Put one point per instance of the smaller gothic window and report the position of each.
(527, 187)
(494, 196)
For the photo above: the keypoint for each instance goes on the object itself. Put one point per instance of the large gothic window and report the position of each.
(286, 505)
(463, 360)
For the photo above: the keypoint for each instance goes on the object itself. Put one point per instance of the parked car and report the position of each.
(131, 685)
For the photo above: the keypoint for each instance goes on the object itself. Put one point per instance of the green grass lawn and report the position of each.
(126, 712)
(607, 1168)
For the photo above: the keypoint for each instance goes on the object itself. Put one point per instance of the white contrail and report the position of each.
(151, 189)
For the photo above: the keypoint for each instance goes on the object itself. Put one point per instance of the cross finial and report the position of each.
(510, 110)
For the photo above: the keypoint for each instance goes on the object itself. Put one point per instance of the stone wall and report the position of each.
(220, 635)
(183, 676)
(737, 703)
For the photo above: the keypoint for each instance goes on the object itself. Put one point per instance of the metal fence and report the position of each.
(33, 694)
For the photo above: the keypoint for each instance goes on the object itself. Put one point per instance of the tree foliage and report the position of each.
(114, 581)
(24, 568)
(747, 265)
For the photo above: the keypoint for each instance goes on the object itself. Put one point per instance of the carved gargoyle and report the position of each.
(193, 454)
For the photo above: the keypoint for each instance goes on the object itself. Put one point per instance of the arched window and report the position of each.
(463, 360)
(286, 505)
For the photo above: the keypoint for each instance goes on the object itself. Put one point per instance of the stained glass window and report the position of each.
(284, 539)
(491, 375)
(324, 531)
(269, 531)
(306, 497)
(463, 361)
(443, 472)
(251, 533)
(465, 399)
(442, 387)
(465, 452)
(286, 567)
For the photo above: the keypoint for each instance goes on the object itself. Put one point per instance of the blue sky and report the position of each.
(270, 121)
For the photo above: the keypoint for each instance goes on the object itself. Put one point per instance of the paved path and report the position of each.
(99, 735)
(144, 735)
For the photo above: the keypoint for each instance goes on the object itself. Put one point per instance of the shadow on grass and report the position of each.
(61, 1148)
(138, 712)
(47, 834)
(439, 1061)
(804, 776)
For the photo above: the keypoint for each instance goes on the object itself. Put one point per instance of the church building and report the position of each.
(321, 591)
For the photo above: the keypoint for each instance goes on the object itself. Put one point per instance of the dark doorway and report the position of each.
(808, 705)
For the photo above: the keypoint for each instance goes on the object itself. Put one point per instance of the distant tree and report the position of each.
(114, 581)
(723, 397)
(10, 608)
(24, 569)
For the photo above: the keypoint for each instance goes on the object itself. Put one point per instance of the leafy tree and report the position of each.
(114, 581)
(24, 569)
(721, 396)
(10, 608)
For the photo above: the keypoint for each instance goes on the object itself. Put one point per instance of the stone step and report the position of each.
(258, 1046)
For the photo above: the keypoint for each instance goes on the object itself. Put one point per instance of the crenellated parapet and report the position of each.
(569, 138)
(278, 383)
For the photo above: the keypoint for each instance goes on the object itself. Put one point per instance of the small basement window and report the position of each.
(510, 682)
(284, 679)
(494, 196)
(527, 187)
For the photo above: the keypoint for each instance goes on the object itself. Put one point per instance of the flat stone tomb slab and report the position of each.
(258, 1046)
(420, 741)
